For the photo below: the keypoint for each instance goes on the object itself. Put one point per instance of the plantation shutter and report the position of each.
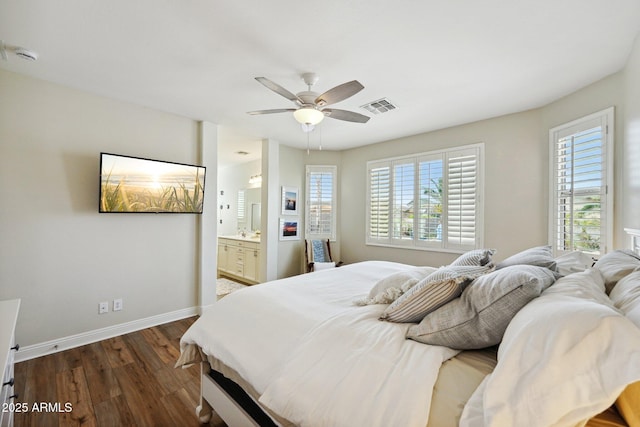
(379, 201)
(403, 199)
(241, 205)
(321, 201)
(430, 196)
(428, 200)
(580, 218)
(462, 198)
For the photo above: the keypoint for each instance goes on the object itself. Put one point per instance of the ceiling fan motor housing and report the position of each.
(308, 97)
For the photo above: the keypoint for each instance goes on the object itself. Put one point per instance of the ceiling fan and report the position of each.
(311, 107)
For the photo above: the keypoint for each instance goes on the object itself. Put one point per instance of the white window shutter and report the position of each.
(462, 198)
(379, 201)
(581, 168)
(321, 202)
(429, 200)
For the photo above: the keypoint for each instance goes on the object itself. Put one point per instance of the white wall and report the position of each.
(58, 253)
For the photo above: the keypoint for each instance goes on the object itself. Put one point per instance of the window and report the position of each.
(321, 202)
(581, 209)
(427, 201)
(241, 205)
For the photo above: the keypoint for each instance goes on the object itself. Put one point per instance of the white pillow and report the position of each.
(626, 296)
(588, 284)
(617, 264)
(563, 359)
(317, 266)
(573, 262)
(389, 288)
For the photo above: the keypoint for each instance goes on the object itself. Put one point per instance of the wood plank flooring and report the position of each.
(123, 381)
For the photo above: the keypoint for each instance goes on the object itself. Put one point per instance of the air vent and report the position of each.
(380, 106)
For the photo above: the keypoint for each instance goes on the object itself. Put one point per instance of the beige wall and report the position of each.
(515, 188)
(291, 252)
(630, 152)
(516, 170)
(608, 92)
(58, 253)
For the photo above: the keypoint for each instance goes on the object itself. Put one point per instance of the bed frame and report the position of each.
(237, 408)
(232, 403)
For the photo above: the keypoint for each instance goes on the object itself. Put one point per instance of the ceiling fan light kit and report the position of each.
(310, 106)
(308, 116)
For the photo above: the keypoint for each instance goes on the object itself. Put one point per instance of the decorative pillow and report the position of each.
(476, 257)
(480, 316)
(432, 292)
(563, 359)
(573, 262)
(540, 256)
(388, 289)
(615, 265)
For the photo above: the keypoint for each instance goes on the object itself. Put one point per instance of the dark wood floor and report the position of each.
(124, 381)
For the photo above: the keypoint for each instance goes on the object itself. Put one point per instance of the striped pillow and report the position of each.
(432, 292)
(476, 257)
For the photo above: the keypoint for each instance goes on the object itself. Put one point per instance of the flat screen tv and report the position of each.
(133, 184)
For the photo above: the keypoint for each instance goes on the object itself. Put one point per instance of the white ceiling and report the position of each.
(442, 62)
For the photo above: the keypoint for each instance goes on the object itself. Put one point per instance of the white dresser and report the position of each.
(8, 317)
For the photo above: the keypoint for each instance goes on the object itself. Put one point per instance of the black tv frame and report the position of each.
(175, 191)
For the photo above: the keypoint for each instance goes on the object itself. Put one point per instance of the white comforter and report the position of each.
(316, 358)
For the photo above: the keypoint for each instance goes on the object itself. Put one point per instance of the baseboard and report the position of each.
(66, 343)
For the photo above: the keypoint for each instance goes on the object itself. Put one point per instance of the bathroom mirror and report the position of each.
(255, 216)
(249, 209)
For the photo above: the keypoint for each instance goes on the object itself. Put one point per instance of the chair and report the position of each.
(318, 255)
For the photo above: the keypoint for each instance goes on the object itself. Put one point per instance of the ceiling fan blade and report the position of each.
(348, 116)
(277, 110)
(339, 93)
(279, 90)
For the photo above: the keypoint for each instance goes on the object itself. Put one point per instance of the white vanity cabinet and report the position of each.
(239, 258)
(8, 318)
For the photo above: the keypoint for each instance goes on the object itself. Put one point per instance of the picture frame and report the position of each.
(289, 229)
(289, 200)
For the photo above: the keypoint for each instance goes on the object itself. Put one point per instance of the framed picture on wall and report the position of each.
(289, 229)
(289, 200)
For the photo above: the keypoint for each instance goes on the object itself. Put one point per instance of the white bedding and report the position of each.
(335, 362)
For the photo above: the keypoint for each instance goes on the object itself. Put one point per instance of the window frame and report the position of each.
(415, 243)
(333, 170)
(606, 118)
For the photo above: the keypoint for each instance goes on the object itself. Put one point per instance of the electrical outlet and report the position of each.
(117, 304)
(103, 307)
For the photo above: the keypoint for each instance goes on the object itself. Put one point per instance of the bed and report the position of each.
(351, 347)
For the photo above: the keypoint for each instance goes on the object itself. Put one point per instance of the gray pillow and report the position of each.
(478, 257)
(540, 256)
(480, 316)
(435, 290)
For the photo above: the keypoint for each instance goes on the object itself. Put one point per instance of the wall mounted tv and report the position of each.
(133, 184)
